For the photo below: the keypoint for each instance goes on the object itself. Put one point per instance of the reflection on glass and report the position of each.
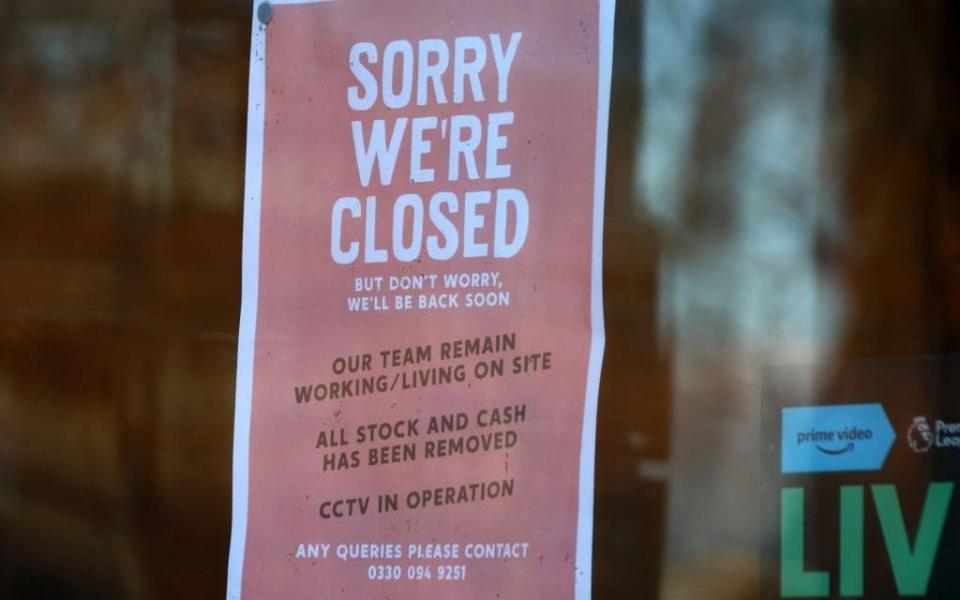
(782, 190)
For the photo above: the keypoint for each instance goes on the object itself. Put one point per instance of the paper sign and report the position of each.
(421, 329)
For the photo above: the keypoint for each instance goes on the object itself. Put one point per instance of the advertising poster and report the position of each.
(860, 470)
(421, 329)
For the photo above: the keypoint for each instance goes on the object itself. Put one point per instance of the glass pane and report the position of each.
(781, 230)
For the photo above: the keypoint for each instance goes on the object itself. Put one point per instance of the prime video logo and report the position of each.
(841, 437)
(826, 440)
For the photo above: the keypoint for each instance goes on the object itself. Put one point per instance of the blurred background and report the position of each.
(782, 189)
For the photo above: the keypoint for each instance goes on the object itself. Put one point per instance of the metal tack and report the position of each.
(265, 12)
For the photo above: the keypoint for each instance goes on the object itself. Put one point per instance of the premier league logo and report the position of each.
(919, 436)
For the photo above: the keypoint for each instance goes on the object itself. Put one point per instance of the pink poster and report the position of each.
(421, 327)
